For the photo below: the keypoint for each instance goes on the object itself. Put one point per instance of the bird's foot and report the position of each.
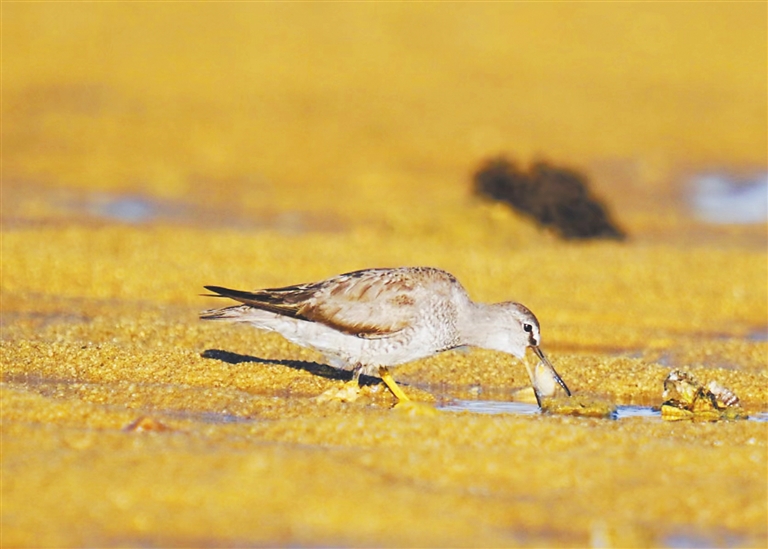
(405, 404)
(349, 392)
(414, 408)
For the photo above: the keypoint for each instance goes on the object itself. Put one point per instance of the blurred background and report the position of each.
(151, 148)
(324, 116)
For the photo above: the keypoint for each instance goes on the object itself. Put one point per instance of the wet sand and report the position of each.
(180, 156)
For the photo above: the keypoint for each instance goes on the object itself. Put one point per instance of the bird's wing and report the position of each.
(372, 303)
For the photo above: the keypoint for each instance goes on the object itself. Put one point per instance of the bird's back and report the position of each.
(371, 303)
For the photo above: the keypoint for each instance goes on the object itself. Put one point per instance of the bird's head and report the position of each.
(512, 328)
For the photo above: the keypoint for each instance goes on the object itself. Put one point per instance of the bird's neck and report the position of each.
(483, 327)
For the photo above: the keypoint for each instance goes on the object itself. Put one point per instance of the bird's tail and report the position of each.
(236, 313)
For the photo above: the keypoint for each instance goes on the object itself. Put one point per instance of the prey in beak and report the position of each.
(546, 382)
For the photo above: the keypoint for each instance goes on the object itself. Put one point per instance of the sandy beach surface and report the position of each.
(149, 149)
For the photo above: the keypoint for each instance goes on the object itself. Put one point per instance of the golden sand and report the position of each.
(149, 149)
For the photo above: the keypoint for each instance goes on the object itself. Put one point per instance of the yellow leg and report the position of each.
(394, 388)
(404, 404)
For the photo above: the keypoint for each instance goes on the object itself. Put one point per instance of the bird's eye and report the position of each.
(527, 327)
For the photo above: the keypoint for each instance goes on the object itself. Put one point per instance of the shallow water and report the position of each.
(723, 198)
(521, 408)
(76, 207)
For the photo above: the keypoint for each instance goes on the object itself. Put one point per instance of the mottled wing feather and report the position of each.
(364, 304)
(371, 303)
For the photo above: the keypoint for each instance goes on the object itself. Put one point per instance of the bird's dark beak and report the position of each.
(546, 382)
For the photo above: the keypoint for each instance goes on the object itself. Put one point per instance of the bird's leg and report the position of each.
(349, 392)
(393, 387)
(356, 373)
(404, 404)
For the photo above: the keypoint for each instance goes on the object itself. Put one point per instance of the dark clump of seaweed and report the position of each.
(555, 197)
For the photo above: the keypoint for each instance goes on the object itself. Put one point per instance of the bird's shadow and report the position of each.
(314, 368)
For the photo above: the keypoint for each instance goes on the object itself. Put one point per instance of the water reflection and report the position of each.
(521, 408)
